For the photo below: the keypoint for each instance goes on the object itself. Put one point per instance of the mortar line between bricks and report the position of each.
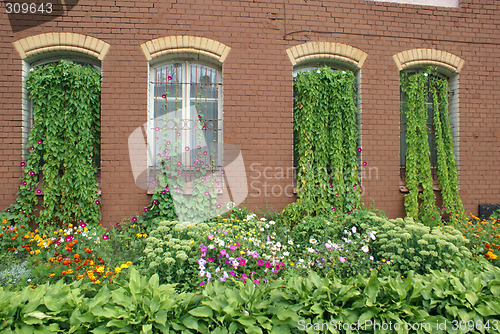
(379, 35)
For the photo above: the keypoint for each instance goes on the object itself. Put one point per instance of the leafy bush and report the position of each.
(413, 246)
(290, 306)
(172, 251)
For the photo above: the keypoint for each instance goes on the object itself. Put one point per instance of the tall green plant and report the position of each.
(417, 89)
(63, 142)
(447, 171)
(325, 124)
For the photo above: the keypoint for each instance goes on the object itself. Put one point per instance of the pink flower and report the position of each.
(157, 129)
(336, 195)
(164, 96)
(207, 193)
(168, 142)
(32, 148)
(22, 164)
(255, 255)
(118, 225)
(333, 208)
(243, 262)
(169, 77)
(179, 163)
(223, 171)
(187, 148)
(83, 225)
(97, 202)
(359, 149)
(268, 265)
(218, 206)
(205, 152)
(39, 142)
(155, 202)
(134, 219)
(32, 173)
(38, 191)
(105, 237)
(178, 134)
(341, 259)
(202, 284)
(223, 252)
(211, 259)
(68, 238)
(256, 282)
(260, 262)
(364, 163)
(24, 183)
(145, 209)
(204, 127)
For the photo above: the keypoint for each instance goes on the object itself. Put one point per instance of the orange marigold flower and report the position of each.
(80, 276)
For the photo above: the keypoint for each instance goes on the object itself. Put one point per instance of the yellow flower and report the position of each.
(192, 241)
(52, 275)
(124, 266)
(80, 276)
(100, 269)
(242, 252)
(118, 269)
(70, 225)
(97, 282)
(292, 264)
(4, 221)
(133, 225)
(37, 252)
(128, 263)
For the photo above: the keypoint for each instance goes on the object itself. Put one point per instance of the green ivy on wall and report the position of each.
(326, 137)
(63, 144)
(417, 88)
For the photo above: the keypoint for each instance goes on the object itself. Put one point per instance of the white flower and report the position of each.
(312, 241)
(286, 253)
(301, 260)
(353, 229)
(328, 245)
(230, 205)
(372, 236)
(266, 226)
(202, 273)
(371, 258)
(263, 219)
(318, 71)
(252, 216)
(272, 222)
(310, 250)
(211, 246)
(290, 242)
(365, 249)
(278, 244)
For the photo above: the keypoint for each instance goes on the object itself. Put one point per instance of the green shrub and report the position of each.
(172, 251)
(409, 245)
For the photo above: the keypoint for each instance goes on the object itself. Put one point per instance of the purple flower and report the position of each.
(211, 258)
(232, 247)
(24, 183)
(39, 142)
(32, 148)
(32, 173)
(232, 273)
(105, 237)
(155, 202)
(163, 96)
(145, 209)
(223, 252)
(203, 248)
(83, 225)
(38, 191)
(333, 208)
(364, 163)
(134, 219)
(202, 284)
(23, 163)
(97, 202)
(169, 77)
(243, 262)
(359, 149)
(157, 129)
(331, 185)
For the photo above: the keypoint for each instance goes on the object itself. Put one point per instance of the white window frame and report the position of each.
(186, 63)
(437, 3)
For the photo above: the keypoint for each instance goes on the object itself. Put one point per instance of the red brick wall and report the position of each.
(258, 86)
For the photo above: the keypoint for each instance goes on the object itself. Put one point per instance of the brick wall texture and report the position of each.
(257, 77)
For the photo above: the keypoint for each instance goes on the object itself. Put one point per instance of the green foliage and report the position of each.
(418, 167)
(172, 251)
(64, 142)
(145, 306)
(447, 171)
(410, 245)
(325, 117)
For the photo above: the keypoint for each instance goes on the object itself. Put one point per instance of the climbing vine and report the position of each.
(417, 88)
(326, 137)
(63, 145)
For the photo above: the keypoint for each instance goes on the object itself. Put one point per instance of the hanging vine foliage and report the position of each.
(417, 88)
(63, 144)
(326, 137)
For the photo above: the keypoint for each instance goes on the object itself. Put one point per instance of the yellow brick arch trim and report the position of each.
(326, 50)
(61, 41)
(185, 44)
(416, 57)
